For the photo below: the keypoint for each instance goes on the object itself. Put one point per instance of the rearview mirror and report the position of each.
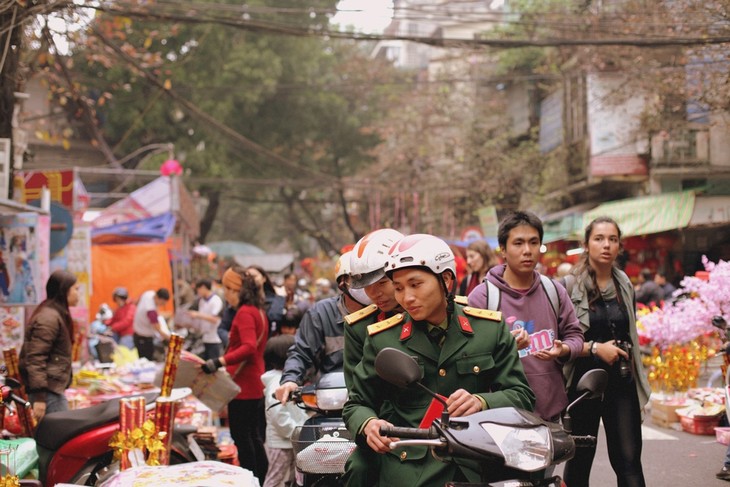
(397, 367)
(593, 382)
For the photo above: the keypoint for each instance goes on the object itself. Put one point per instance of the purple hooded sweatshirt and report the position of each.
(532, 310)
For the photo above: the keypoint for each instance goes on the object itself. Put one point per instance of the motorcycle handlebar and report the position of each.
(584, 441)
(411, 433)
(7, 393)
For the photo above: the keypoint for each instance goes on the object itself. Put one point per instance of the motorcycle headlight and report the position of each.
(331, 399)
(526, 449)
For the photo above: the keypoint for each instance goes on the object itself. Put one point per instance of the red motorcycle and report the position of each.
(73, 446)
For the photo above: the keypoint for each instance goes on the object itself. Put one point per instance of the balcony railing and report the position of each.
(690, 146)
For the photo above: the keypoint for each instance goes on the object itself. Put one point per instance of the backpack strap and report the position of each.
(494, 296)
(552, 293)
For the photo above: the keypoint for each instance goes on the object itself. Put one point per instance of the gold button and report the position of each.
(403, 455)
(442, 372)
(476, 369)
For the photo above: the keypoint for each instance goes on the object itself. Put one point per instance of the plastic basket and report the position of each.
(722, 435)
(322, 449)
(699, 425)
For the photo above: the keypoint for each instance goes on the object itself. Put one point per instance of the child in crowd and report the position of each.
(280, 420)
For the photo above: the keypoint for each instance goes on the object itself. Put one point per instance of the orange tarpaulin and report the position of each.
(138, 267)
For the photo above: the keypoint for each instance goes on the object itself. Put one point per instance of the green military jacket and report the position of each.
(479, 355)
(356, 330)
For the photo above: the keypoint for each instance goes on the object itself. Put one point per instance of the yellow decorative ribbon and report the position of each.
(145, 438)
(9, 481)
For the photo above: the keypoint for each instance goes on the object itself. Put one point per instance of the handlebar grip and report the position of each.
(584, 441)
(19, 400)
(409, 433)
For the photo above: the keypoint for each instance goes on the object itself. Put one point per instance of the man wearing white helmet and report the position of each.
(467, 356)
(367, 261)
(319, 341)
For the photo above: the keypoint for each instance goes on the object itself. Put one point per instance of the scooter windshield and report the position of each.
(526, 449)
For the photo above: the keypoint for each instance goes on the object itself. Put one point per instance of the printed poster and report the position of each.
(21, 276)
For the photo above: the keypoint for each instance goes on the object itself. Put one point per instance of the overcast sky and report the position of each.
(370, 16)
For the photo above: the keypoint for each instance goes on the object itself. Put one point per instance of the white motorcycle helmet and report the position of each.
(369, 256)
(421, 250)
(343, 269)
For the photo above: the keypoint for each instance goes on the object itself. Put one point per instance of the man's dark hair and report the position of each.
(275, 351)
(646, 274)
(515, 219)
(163, 294)
(206, 283)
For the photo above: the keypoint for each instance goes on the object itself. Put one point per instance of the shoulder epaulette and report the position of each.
(485, 314)
(463, 300)
(353, 318)
(385, 324)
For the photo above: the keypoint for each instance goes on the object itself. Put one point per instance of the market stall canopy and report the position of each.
(647, 214)
(566, 224)
(162, 196)
(231, 248)
(710, 211)
(155, 229)
(271, 263)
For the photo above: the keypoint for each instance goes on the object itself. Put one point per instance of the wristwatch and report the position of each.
(594, 348)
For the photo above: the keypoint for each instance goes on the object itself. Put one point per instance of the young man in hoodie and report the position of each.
(532, 305)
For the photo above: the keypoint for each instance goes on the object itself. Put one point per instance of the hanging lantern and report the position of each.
(169, 167)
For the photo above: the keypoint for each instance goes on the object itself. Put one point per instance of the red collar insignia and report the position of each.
(381, 317)
(406, 331)
(465, 325)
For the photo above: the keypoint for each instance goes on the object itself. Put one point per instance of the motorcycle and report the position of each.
(73, 446)
(508, 443)
(322, 444)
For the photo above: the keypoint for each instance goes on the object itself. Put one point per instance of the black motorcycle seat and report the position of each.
(55, 429)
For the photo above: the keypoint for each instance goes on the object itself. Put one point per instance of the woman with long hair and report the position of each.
(274, 305)
(244, 361)
(605, 305)
(479, 259)
(45, 357)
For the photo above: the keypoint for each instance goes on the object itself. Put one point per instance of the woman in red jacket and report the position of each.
(244, 361)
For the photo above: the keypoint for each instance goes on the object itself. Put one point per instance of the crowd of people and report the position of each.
(472, 337)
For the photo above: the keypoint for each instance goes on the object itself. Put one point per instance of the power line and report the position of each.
(283, 29)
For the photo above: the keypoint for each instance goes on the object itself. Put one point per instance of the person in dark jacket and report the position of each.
(319, 341)
(45, 358)
(274, 304)
(648, 291)
(479, 259)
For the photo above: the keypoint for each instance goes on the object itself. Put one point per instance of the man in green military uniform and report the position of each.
(467, 355)
(367, 261)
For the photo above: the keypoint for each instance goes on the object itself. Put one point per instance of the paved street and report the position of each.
(670, 458)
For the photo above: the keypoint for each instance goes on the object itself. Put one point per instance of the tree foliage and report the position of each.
(258, 120)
